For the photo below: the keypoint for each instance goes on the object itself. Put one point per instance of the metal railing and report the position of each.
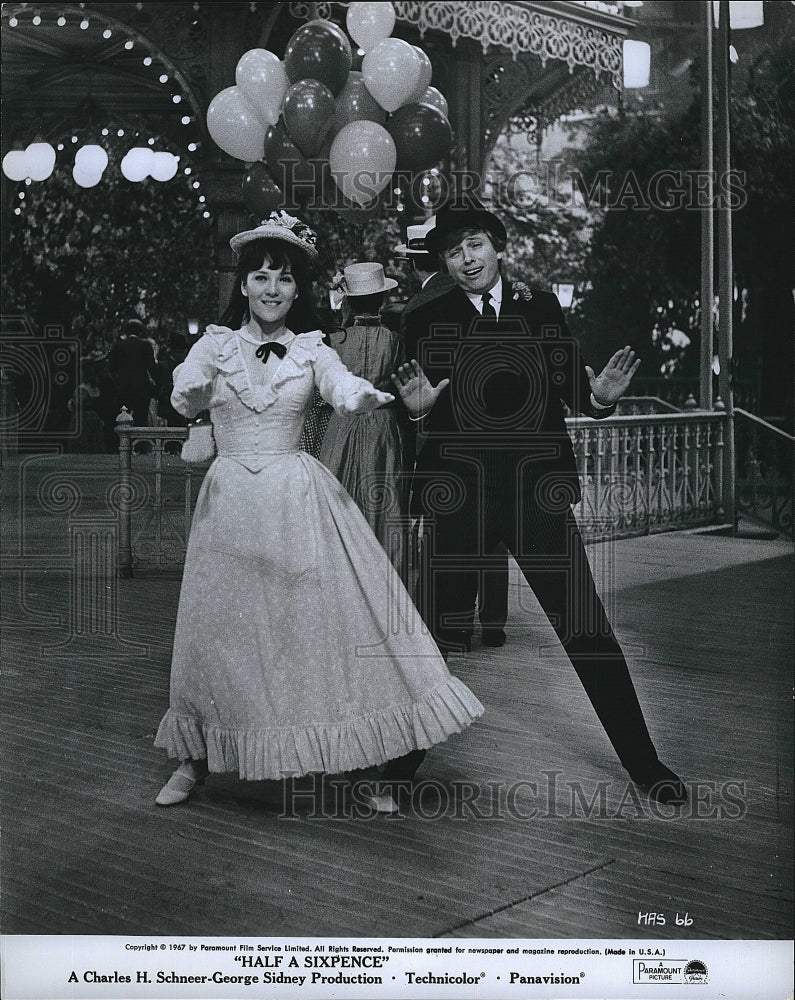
(640, 474)
(764, 483)
(649, 473)
(156, 497)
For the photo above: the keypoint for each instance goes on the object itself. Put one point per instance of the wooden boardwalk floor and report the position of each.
(706, 622)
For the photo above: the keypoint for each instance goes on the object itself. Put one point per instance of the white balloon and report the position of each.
(15, 165)
(262, 78)
(40, 157)
(370, 23)
(235, 125)
(362, 159)
(164, 166)
(392, 71)
(137, 163)
(86, 178)
(91, 158)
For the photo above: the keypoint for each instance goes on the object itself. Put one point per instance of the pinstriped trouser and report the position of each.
(500, 497)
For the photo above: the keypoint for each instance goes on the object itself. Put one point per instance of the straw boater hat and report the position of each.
(366, 279)
(279, 226)
(415, 239)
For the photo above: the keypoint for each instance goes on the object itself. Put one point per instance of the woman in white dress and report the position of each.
(297, 648)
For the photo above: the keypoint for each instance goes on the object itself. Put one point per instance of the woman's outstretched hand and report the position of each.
(366, 399)
(415, 390)
(613, 380)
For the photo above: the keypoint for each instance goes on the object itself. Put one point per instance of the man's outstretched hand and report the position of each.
(613, 380)
(415, 390)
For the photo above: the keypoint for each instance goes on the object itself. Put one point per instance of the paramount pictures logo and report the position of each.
(674, 971)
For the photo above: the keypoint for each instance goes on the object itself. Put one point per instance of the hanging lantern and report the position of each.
(637, 63)
(164, 166)
(137, 163)
(86, 178)
(15, 165)
(742, 14)
(40, 158)
(91, 159)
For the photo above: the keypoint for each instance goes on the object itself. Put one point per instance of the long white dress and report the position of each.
(297, 648)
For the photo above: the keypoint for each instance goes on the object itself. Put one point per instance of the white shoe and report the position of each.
(381, 802)
(182, 782)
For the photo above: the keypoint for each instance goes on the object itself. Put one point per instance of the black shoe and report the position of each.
(493, 637)
(661, 784)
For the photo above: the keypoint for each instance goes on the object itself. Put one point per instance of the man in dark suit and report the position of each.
(491, 363)
(492, 594)
(132, 363)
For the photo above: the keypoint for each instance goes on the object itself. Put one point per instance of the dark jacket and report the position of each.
(508, 380)
(132, 363)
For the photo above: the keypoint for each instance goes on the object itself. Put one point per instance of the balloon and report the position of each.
(235, 126)
(40, 158)
(308, 108)
(15, 165)
(262, 78)
(84, 177)
(425, 77)
(91, 159)
(435, 98)
(261, 194)
(164, 166)
(137, 163)
(362, 158)
(370, 23)
(422, 136)
(392, 72)
(356, 103)
(294, 176)
(319, 50)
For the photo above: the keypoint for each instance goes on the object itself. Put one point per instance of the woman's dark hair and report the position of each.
(282, 256)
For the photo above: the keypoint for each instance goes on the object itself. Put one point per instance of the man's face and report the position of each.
(472, 262)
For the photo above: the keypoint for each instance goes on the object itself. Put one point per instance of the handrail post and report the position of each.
(123, 425)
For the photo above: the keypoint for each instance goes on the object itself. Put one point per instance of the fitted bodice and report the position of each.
(259, 410)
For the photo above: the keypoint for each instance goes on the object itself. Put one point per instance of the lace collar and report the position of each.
(302, 350)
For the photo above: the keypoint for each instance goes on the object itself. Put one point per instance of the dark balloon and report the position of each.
(261, 193)
(308, 109)
(319, 50)
(422, 136)
(356, 103)
(293, 174)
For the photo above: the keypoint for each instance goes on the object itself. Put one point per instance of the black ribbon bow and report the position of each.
(265, 350)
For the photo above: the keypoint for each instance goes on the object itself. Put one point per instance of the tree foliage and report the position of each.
(87, 258)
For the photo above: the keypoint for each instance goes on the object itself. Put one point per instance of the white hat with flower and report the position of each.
(279, 226)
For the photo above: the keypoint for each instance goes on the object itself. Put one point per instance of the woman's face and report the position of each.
(270, 292)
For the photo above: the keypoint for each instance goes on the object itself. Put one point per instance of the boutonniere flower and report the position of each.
(521, 291)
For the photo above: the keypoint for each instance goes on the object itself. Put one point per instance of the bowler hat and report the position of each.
(463, 214)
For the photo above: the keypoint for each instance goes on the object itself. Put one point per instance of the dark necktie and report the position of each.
(487, 308)
(265, 350)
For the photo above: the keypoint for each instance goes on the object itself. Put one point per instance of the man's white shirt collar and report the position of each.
(495, 294)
